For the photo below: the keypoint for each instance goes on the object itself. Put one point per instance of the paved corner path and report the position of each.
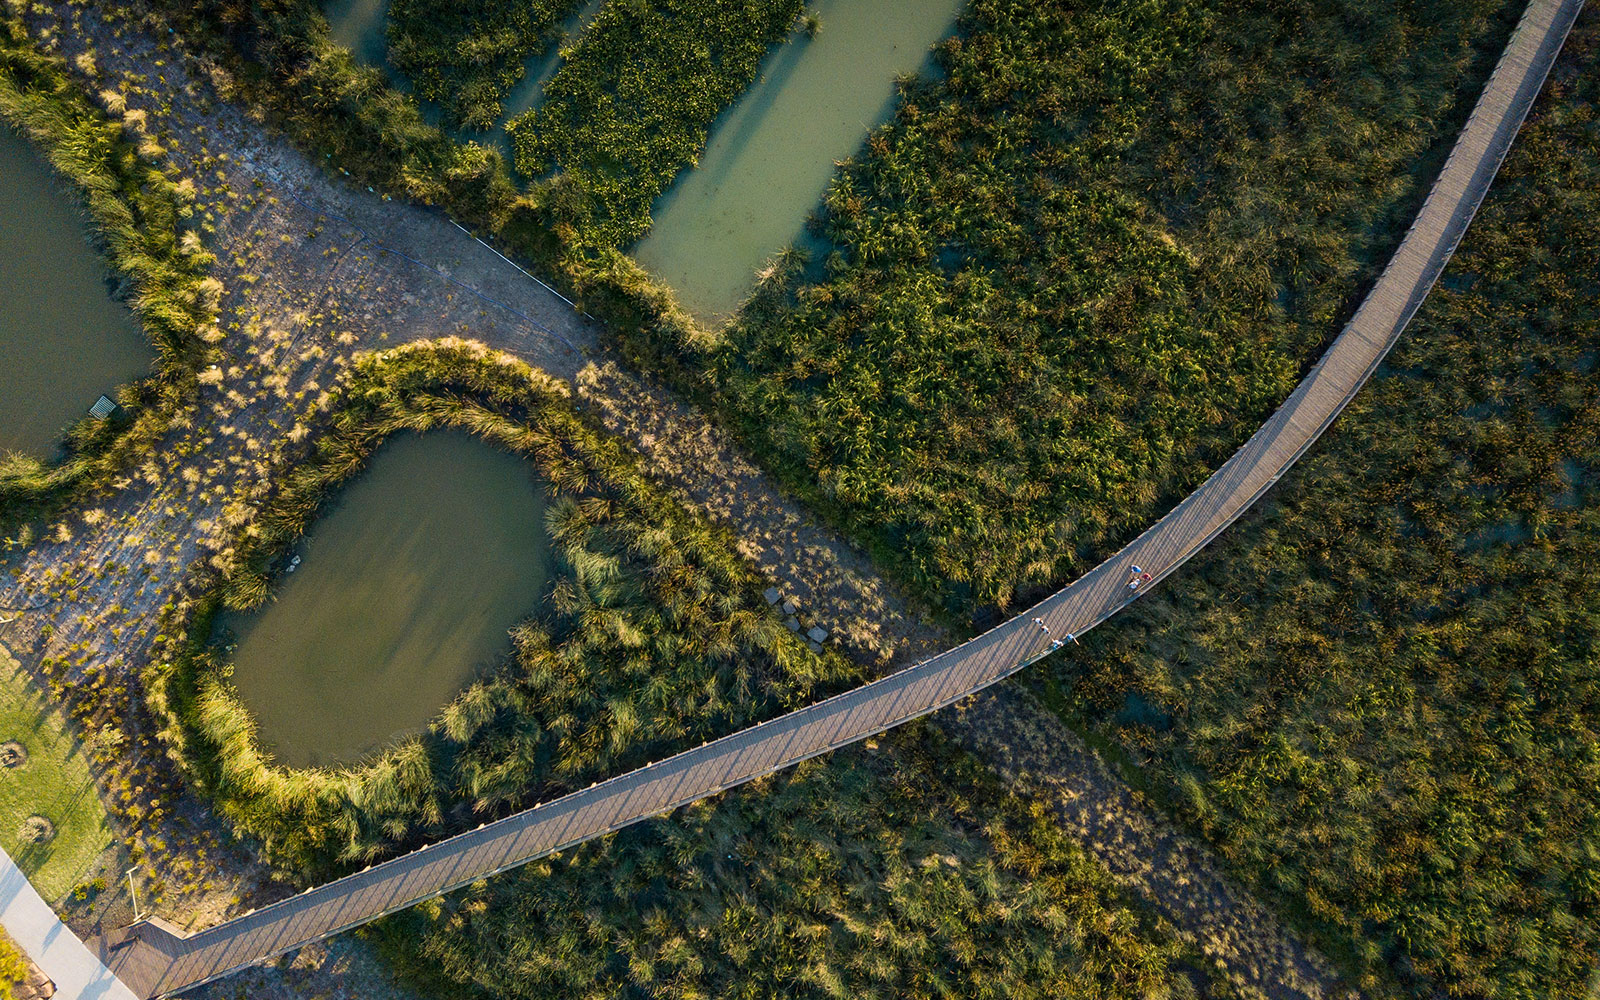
(77, 972)
(153, 960)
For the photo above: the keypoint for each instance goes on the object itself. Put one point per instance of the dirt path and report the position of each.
(312, 273)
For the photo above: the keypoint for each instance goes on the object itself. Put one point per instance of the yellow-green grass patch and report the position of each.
(53, 782)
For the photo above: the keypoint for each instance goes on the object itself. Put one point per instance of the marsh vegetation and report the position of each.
(633, 102)
(1054, 292)
(1079, 269)
(892, 871)
(1379, 695)
(898, 871)
(467, 55)
(137, 215)
(656, 637)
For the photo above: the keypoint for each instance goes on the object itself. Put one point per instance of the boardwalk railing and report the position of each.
(154, 960)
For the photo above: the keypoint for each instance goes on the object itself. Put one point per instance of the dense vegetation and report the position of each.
(138, 216)
(468, 54)
(1063, 283)
(893, 873)
(657, 637)
(1079, 269)
(1380, 697)
(1094, 272)
(634, 100)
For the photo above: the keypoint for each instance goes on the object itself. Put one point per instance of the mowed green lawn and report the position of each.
(53, 783)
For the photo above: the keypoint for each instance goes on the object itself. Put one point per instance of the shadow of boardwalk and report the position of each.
(1176, 877)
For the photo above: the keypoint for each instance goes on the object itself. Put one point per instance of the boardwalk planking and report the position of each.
(155, 960)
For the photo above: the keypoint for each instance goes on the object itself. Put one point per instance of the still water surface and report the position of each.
(406, 589)
(358, 25)
(771, 155)
(63, 341)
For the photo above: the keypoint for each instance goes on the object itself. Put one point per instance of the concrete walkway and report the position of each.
(76, 972)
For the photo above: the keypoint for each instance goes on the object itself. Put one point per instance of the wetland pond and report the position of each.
(773, 152)
(407, 587)
(63, 340)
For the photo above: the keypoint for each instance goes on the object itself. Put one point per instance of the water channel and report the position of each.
(63, 340)
(771, 155)
(406, 590)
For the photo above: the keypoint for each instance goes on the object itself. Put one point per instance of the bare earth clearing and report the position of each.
(312, 273)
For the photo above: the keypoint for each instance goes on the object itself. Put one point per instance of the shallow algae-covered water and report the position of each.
(63, 340)
(406, 589)
(771, 155)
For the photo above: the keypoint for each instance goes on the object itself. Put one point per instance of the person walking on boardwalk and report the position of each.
(1042, 626)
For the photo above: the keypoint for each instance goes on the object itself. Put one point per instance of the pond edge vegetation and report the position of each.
(318, 819)
(138, 218)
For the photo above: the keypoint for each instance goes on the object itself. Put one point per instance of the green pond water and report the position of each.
(406, 590)
(358, 26)
(771, 155)
(63, 340)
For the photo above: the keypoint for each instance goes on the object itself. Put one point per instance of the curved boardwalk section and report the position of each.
(154, 961)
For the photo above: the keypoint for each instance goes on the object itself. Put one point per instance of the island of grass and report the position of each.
(633, 103)
(468, 54)
(52, 822)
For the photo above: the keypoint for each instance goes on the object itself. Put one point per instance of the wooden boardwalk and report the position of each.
(153, 960)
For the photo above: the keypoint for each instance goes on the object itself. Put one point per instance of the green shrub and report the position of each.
(1081, 267)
